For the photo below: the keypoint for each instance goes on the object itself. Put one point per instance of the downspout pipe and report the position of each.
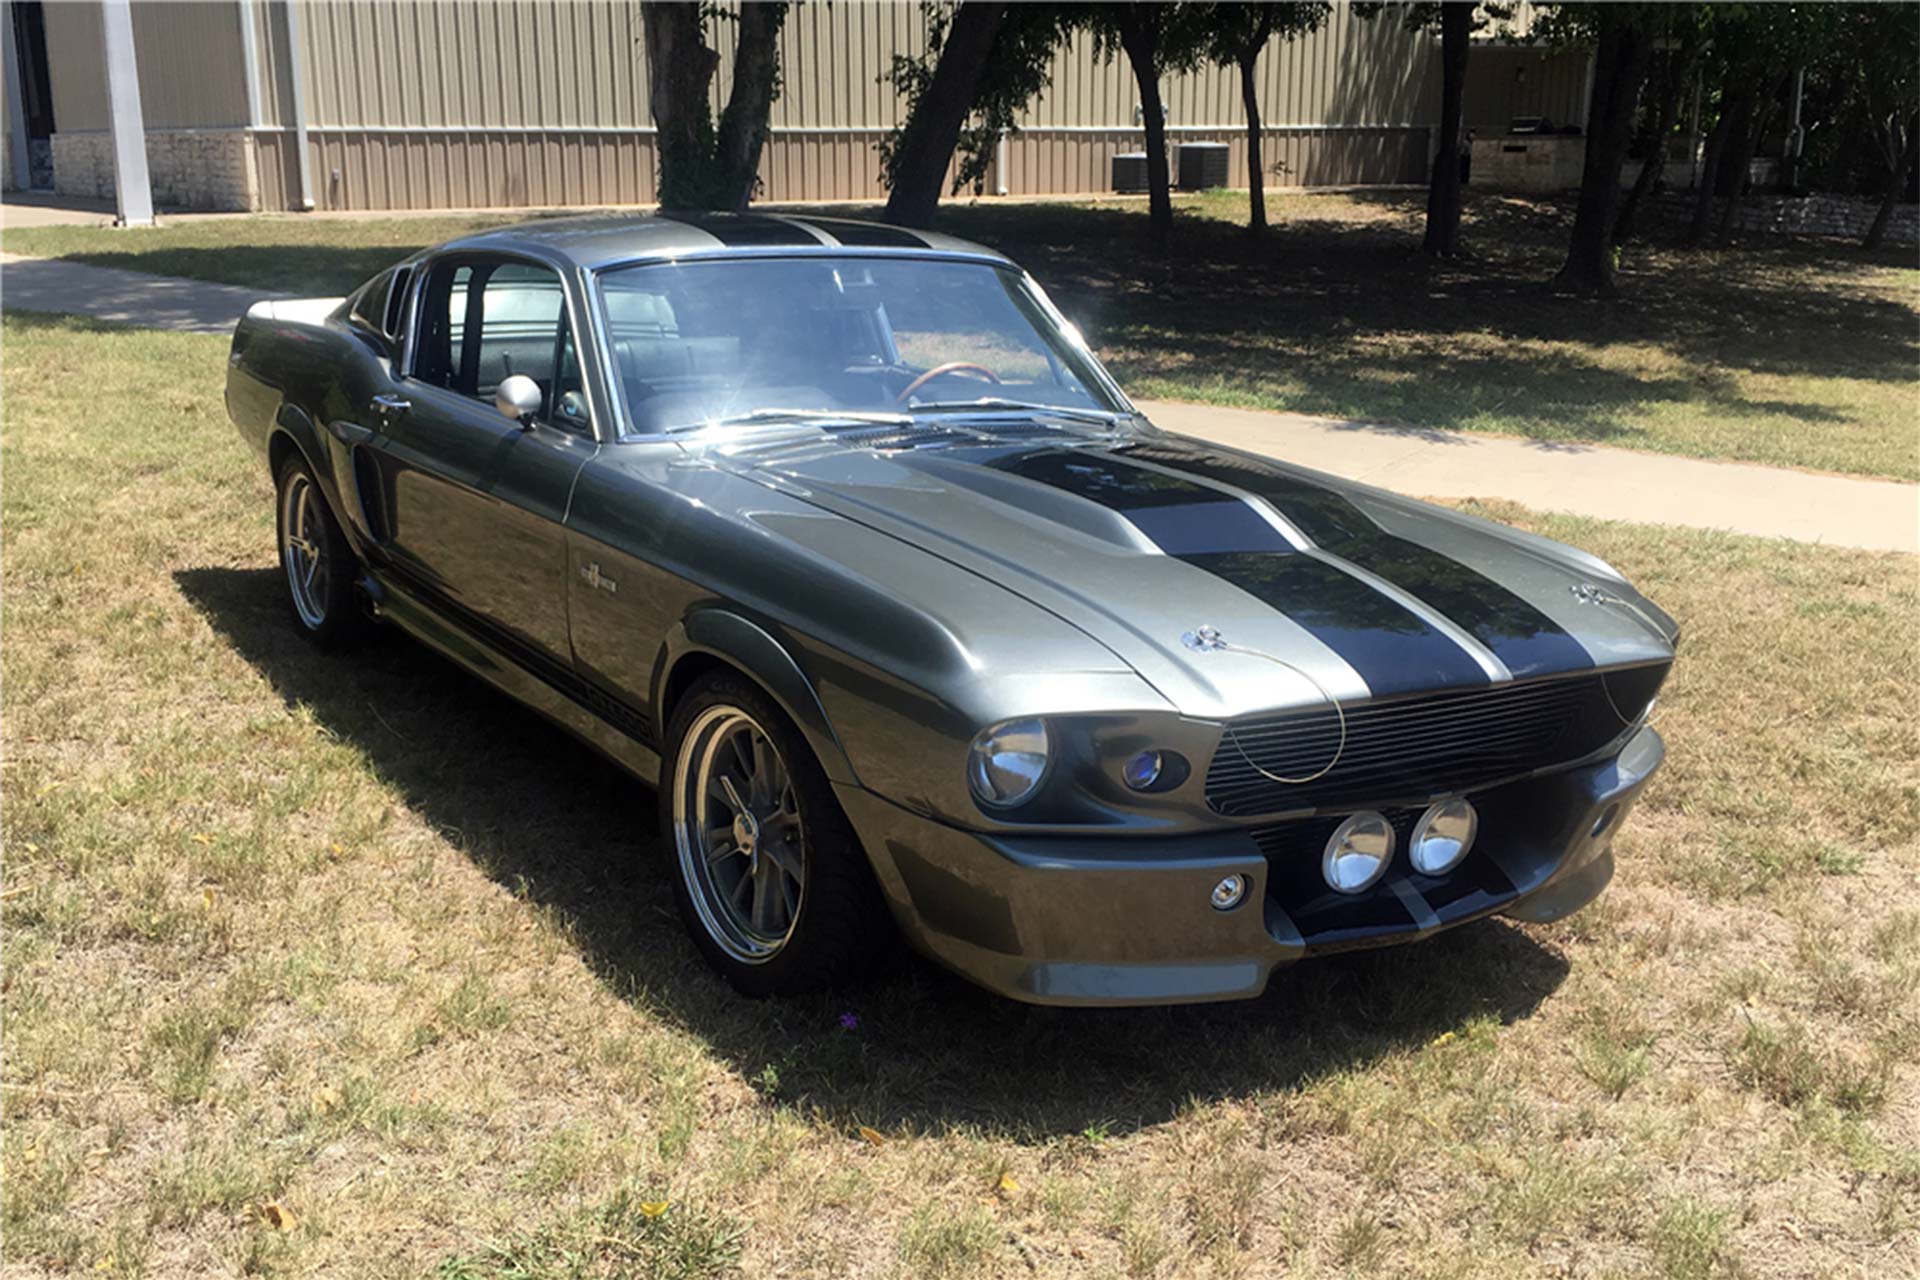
(297, 74)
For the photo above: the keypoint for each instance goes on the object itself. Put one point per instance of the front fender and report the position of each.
(723, 634)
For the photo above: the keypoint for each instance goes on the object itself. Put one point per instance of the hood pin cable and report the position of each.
(1209, 640)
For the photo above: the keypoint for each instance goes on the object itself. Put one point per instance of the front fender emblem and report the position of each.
(591, 574)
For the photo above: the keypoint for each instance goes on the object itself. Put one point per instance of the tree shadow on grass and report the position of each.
(556, 823)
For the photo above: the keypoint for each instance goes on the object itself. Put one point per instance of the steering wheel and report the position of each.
(940, 371)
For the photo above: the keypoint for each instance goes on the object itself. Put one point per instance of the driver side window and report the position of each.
(484, 321)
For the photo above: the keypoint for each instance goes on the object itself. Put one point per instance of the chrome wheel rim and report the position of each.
(303, 550)
(738, 835)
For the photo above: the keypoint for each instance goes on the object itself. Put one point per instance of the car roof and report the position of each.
(600, 240)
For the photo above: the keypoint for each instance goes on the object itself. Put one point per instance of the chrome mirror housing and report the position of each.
(518, 397)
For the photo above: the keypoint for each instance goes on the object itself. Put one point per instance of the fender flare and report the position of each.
(722, 634)
(292, 424)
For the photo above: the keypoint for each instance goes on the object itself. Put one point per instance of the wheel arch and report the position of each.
(717, 639)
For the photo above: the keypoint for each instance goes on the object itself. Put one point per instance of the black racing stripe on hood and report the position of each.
(1526, 640)
(865, 235)
(1394, 649)
(746, 230)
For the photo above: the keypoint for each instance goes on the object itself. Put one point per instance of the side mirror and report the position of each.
(518, 398)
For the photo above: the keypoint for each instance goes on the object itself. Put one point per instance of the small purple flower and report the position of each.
(849, 1022)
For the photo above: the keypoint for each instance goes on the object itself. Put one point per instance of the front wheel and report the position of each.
(768, 874)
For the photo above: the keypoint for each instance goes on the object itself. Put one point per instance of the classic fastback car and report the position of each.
(842, 534)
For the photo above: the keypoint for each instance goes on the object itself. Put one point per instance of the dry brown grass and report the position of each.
(346, 967)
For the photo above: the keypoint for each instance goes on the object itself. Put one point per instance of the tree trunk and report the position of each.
(1666, 112)
(933, 130)
(1620, 66)
(1443, 190)
(743, 125)
(1749, 142)
(1734, 105)
(679, 66)
(1256, 170)
(1138, 38)
(1896, 188)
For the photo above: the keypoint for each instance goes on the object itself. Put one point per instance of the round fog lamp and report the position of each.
(1357, 853)
(1442, 837)
(1228, 893)
(1142, 771)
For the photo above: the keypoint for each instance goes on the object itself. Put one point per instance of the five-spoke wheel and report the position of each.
(738, 834)
(768, 873)
(317, 560)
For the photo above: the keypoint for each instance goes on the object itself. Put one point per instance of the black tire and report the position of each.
(841, 926)
(327, 610)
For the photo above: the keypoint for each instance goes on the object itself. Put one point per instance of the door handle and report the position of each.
(391, 406)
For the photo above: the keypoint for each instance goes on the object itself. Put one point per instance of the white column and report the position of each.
(16, 105)
(297, 73)
(132, 190)
(250, 62)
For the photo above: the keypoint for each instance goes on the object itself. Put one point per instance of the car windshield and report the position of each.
(753, 340)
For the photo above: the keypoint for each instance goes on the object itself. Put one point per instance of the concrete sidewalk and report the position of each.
(1613, 484)
(1589, 480)
(129, 297)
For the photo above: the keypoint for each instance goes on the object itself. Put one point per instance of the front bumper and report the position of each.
(1128, 920)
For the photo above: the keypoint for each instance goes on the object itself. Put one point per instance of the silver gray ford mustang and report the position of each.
(841, 534)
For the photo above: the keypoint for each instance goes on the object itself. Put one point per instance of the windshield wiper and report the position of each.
(992, 404)
(798, 415)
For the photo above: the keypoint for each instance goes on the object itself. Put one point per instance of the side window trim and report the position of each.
(482, 262)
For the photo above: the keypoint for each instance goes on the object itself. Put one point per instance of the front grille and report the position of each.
(1425, 744)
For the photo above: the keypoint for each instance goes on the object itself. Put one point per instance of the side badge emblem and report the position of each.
(597, 580)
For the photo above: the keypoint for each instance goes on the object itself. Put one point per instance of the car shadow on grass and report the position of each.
(562, 827)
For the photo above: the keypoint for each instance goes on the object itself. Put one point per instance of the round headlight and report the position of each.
(1008, 761)
(1357, 852)
(1143, 770)
(1442, 837)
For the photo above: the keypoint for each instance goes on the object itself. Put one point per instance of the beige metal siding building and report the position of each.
(461, 103)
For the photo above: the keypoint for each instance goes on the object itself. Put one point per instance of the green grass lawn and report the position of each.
(345, 966)
(1787, 352)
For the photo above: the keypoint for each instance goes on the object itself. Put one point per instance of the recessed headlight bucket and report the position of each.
(1008, 761)
(1442, 837)
(1358, 853)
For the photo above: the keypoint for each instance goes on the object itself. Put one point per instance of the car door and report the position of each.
(471, 503)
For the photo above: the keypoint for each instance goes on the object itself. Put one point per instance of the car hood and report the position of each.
(1231, 582)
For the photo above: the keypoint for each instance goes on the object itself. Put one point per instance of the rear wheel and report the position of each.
(768, 874)
(317, 561)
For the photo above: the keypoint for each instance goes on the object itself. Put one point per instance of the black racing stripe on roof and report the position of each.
(746, 230)
(865, 235)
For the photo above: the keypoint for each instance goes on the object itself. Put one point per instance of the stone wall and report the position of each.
(1823, 215)
(1528, 162)
(208, 169)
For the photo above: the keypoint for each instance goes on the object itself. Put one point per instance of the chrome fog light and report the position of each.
(1229, 892)
(1442, 837)
(1142, 771)
(1357, 853)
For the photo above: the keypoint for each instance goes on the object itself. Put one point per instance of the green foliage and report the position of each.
(1234, 33)
(1019, 68)
(625, 1236)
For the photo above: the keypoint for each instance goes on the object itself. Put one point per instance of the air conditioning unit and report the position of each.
(1202, 165)
(1130, 172)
